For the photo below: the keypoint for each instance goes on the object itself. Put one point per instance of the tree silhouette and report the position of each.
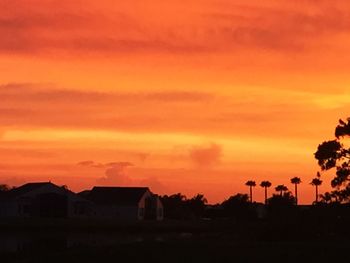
(296, 181)
(326, 198)
(332, 197)
(316, 182)
(284, 201)
(265, 185)
(197, 205)
(281, 188)
(175, 206)
(65, 187)
(4, 188)
(238, 206)
(251, 184)
(335, 154)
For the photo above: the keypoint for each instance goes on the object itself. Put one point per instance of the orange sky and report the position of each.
(182, 96)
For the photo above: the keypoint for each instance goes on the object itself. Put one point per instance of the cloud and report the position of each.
(115, 172)
(86, 163)
(46, 27)
(155, 185)
(119, 165)
(107, 29)
(40, 106)
(206, 156)
(31, 105)
(93, 164)
(143, 156)
(14, 152)
(279, 27)
(116, 175)
(36, 93)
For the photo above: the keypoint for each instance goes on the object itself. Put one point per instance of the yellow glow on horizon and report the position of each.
(239, 148)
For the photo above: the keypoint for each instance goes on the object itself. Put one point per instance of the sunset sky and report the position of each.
(194, 96)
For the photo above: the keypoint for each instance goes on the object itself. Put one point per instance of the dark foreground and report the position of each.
(175, 241)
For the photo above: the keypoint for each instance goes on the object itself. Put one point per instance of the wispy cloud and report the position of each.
(46, 107)
(119, 165)
(117, 29)
(28, 105)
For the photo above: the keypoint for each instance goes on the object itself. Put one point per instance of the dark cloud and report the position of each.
(28, 29)
(83, 32)
(86, 163)
(113, 45)
(143, 156)
(206, 156)
(105, 165)
(44, 106)
(119, 164)
(18, 92)
(39, 154)
(278, 28)
(30, 105)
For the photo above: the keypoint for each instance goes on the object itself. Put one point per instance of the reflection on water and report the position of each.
(55, 242)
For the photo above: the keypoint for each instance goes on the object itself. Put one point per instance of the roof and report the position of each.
(26, 188)
(115, 195)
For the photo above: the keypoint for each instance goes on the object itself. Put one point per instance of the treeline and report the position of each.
(177, 206)
(239, 206)
(282, 191)
(333, 154)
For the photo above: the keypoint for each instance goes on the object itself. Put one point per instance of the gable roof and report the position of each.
(26, 188)
(115, 195)
(29, 187)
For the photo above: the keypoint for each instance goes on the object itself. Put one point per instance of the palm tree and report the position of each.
(316, 182)
(251, 184)
(265, 184)
(281, 188)
(296, 181)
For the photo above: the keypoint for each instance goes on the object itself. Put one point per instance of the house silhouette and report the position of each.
(45, 199)
(129, 203)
